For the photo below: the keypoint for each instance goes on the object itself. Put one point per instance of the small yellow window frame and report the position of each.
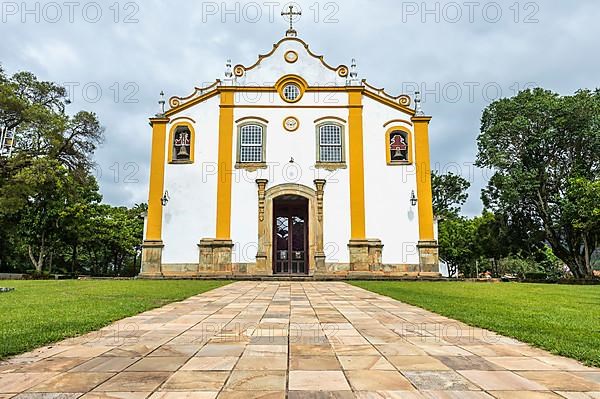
(388, 156)
(192, 143)
(291, 79)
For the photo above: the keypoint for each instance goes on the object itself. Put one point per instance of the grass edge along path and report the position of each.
(562, 319)
(40, 313)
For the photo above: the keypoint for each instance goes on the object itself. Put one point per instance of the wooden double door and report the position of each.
(290, 235)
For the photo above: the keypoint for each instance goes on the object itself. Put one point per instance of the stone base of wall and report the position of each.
(365, 254)
(215, 261)
(215, 256)
(332, 271)
(152, 259)
(429, 258)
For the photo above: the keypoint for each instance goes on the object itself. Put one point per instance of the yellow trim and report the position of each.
(290, 56)
(225, 166)
(292, 106)
(389, 103)
(181, 106)
(423, 175)
(356, 162)
(252, 118)
(192, 142)
(402, 99)
(397, 121)
(388, 156)
(186, 118)
(291, 79)
(297, 123)
(178, 104)
(157, 179)
(175, 101)
(330, 118)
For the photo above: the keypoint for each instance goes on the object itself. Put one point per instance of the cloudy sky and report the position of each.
(116, 56)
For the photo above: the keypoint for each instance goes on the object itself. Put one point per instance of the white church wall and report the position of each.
(191, 211)
(389, 214)
(270, 69)
(281, 147)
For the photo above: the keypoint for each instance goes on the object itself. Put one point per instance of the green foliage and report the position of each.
(562, 319)
(520, 267)
(545, 151)
(456, 240)
(42, 312)
(449, 194)
(50, 211)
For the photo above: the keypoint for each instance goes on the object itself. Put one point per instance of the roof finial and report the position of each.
(291, 14)
(353, 75)
(418, 109)
(228, 73)
(162, 103)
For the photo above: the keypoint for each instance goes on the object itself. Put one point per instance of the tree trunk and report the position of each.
(38, 264)
(74, 258)
(50, 262)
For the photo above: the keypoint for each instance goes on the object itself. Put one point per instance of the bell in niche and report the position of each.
(183, 152)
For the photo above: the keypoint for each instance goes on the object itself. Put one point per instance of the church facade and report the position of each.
(290, 167)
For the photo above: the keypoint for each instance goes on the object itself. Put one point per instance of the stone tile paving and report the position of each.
(296, 340)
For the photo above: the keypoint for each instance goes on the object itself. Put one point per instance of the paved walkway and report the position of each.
(275, 340)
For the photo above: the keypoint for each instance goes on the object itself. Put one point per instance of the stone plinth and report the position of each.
(429, 259)
(215, 256)
(365, 254)
(152, 259)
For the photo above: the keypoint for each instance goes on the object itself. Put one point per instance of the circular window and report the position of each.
(291, 92)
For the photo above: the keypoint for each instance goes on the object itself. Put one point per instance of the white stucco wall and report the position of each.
(191, 212)
(389, 214)
(282, 146)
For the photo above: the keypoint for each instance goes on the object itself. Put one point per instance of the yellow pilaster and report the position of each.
(225, 166)
(423, 172)
(157, 179)
(356, 164)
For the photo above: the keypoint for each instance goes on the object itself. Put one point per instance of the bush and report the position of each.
(35, 275)
(520, 267)
(536, 276)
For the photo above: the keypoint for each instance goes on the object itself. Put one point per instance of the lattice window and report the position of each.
(330, 143)
(251, 144)
(291, 92)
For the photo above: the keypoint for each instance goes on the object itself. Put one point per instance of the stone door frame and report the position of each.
(264, 256)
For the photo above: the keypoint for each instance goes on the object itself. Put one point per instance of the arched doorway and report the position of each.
(290, 235)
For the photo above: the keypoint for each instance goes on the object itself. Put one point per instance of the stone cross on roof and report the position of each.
(291, 14)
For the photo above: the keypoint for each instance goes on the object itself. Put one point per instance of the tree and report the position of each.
(456, 239)
(538, 144)
(449, 194)
(50, 210)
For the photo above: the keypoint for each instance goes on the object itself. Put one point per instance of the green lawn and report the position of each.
(562, 319)
(41, 312)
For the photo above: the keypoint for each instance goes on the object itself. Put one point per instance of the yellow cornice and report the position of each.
(176, 101)
(348, 89)
(389, 103)
(158, 120)
(191, 103)
(403, 99)
(421, 119)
